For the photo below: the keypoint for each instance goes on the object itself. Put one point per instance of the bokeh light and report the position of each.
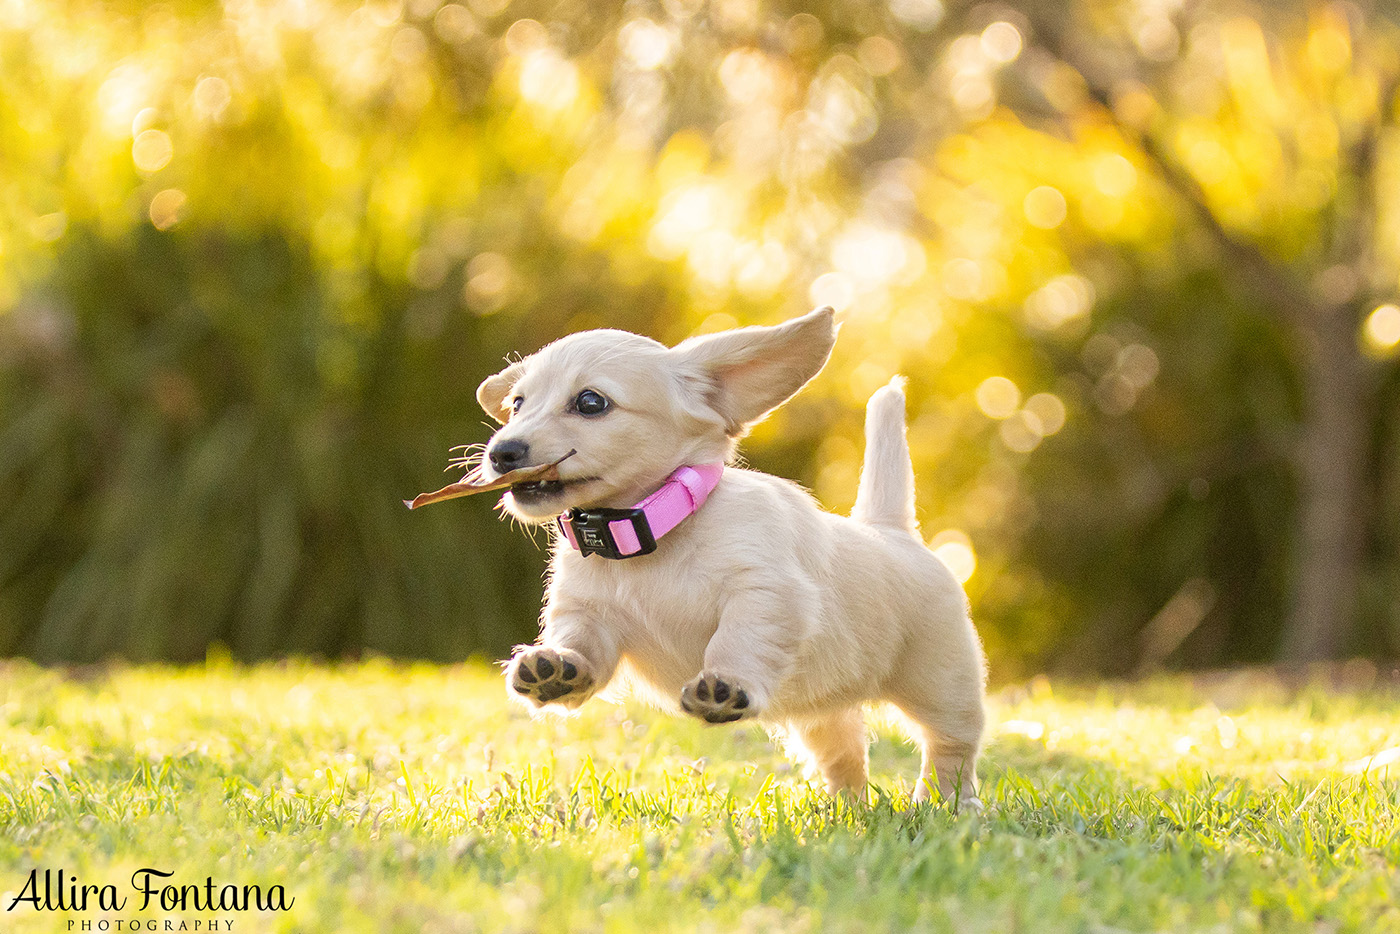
(212, 96)
(1049, 412)
(1045, 207)
(151, 151)
(1114, 175)
(1021, 431)
(922, 15)
(647, 44)
(998, 397)
(954, 549)
(834, 289)
(1001, 41)
(1063, 299)
(1382, 329)
(166, 208)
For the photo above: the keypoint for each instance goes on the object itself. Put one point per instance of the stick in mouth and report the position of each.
(473, 483)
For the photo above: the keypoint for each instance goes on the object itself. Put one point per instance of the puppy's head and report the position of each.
(635, 410)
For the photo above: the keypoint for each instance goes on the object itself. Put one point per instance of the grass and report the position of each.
(414, 798)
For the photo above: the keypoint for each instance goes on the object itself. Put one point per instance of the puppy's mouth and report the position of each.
(538, 492)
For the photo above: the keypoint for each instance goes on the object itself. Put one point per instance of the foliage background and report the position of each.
(1138, 259)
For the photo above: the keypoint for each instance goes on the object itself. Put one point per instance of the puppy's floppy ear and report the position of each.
(493, 391)
(749, 372)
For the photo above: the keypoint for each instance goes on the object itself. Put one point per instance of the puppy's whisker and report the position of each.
(474, 455)
(471, 462)
(515, 523)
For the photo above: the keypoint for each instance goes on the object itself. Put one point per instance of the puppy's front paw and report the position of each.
(544, 676)
(715, 699)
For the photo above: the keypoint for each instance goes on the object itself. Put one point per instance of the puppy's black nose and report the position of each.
(509, 455)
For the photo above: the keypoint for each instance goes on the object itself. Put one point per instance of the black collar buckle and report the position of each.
(592, 530)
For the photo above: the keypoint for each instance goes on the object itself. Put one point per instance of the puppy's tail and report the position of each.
(886, 494)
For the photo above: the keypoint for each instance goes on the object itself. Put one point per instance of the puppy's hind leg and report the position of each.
(836, 745)
(950, 744)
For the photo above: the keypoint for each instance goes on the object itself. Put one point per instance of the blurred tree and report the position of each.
(1136, 255)
(1321, 104)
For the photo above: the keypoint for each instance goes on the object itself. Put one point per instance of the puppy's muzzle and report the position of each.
(508, 455)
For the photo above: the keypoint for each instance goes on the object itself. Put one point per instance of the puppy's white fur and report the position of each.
(804, 614)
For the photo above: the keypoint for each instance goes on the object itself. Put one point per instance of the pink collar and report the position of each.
(627, 533)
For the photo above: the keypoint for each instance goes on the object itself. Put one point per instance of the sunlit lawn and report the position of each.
(400, 798)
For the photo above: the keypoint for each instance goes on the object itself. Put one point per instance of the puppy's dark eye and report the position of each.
(590, 402)
(516, 403)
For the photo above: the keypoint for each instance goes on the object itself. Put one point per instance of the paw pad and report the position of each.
(544, 675)
(715, 700)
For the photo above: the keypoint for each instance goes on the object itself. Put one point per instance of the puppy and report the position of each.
(730, 593)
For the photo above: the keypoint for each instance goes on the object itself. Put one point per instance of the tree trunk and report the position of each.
(1330, 537)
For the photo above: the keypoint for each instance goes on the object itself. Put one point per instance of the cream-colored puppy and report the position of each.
(759, 605)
